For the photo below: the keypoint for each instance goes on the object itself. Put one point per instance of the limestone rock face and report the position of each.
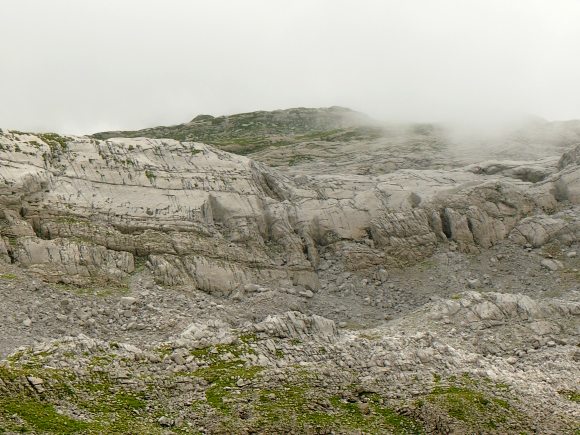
(391, 276)
(197, 215)
(59, 258)
(406, 234)
(80, 209)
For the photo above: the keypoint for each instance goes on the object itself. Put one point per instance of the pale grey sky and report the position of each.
(81, 66)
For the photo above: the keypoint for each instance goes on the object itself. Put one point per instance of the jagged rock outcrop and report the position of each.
(203, 334)
(541, 229)
(297, 325)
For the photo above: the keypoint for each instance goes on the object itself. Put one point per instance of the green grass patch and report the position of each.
(12, 240)
(9, 276)
(574, 396)
(39, 417)
(140, 262)
(225, 367)
(472, 407)
(223, 376)
(55, 142)
(302, 408)
(72, 220)
(150, 175)
(108, 406)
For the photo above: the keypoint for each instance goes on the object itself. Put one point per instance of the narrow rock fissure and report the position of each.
(445, 224)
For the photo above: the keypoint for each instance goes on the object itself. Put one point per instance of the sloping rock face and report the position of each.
(76, 209)
(541, 229)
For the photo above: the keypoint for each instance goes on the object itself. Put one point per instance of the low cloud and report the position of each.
(81, 67)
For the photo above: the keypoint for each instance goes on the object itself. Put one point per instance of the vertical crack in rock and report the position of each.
(446, 224)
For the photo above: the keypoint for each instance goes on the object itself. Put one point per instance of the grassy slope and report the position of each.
(235, 397)
(247, 133)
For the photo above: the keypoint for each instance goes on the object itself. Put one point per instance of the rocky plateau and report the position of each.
(295, 271)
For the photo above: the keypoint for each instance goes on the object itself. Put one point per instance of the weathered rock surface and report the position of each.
(160, 286)
(298, 325)
(541, 229)
(421, 366)
(77, 209)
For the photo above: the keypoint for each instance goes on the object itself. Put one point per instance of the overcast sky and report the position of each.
(81, 66)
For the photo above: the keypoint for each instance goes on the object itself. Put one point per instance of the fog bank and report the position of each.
(81, 67)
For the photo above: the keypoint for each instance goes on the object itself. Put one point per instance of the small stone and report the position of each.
(154, 358)
(364, 408)
(36, 383)
(571, 254)
(425, 355)
(34, 380)
(473, 283)
(251, 288)
(551, 264)
(165, 421)
(27, 322)
(382, 275)
(178, 358)
(127, 301)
